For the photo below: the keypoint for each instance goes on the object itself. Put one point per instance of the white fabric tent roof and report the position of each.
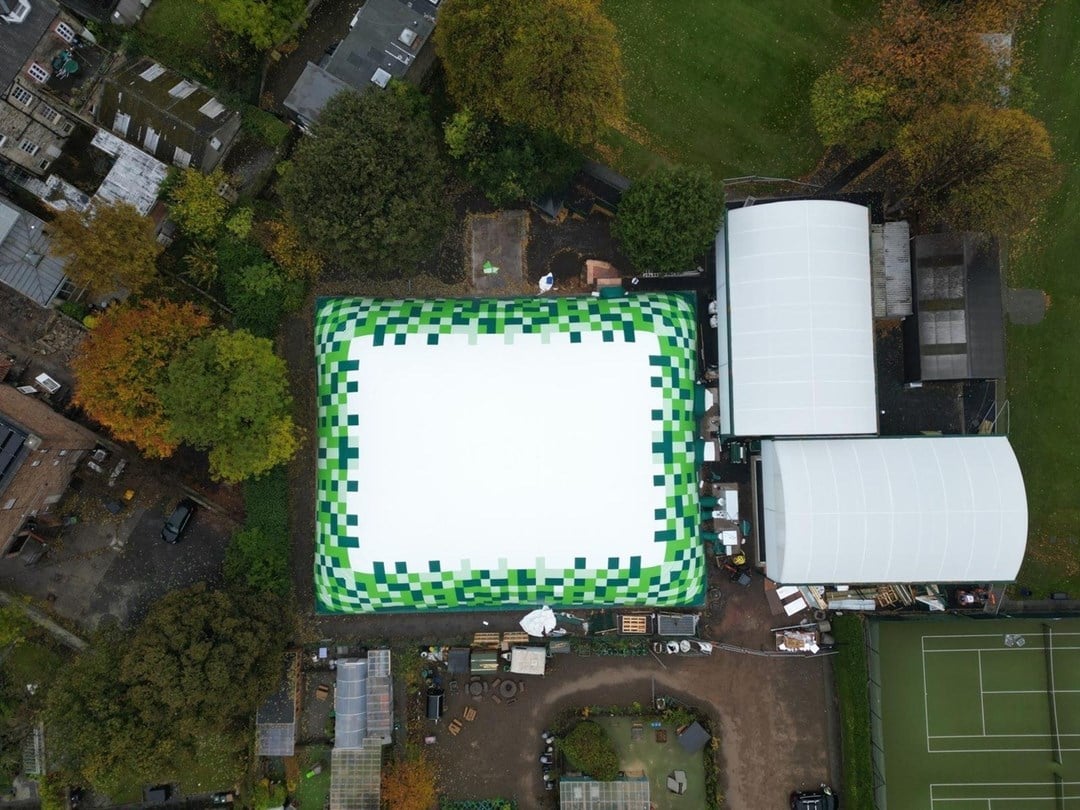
(914, 509)
(528, 660)
(798, 326)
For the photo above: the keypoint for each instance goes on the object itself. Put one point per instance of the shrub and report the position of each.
(258, 554)
(267, 129)
(589, 749)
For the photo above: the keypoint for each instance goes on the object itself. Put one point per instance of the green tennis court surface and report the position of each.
(976, 715)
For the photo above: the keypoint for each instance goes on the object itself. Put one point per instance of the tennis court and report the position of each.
(976, 714)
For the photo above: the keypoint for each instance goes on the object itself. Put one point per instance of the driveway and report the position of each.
(115, 566)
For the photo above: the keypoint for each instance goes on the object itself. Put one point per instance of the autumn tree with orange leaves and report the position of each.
(410, 784)
(920, 54)
(123, 362)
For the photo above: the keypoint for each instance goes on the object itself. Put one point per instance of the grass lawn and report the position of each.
(657, 760)
(849, 666)
(1044, 360)
(32, 661)
(311, 794)
(725, 83)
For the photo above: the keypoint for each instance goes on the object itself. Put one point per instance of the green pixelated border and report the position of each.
(678, 580)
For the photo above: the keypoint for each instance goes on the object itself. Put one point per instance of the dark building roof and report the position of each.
(384, 44)
(12, 450)
(693, 738)
(17, 40)
(92, 9)
(183, 113)
(26, 265)
(958, 327)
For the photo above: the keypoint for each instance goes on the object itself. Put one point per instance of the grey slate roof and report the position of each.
(12, 444)
(17, 40)
(25, 263)
(377, 42)
(694, 738)
(312, 90)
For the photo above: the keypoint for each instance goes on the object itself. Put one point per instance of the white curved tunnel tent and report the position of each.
(795, 321)
(911, 509)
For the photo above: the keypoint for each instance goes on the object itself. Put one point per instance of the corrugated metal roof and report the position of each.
(25, 263)
(890, 267)
(676, 624)
(135, 177)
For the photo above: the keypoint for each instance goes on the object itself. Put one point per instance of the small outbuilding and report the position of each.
(693, 738)
(528, 660)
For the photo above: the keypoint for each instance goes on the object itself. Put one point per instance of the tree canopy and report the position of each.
(668, 219)
(108, 247)
(229, 394)
(589, 749)
(368, 190)
(918, 56)
(977, 167)
(195, 204)
(264, 23)
(553, 66)
(177, 694)
(509, 162)
(122, 363)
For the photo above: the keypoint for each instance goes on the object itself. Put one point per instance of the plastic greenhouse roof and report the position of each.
(446, 428)
(797, 332)
(914, 509)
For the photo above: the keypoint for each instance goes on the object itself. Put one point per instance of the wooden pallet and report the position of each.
(455, 727)
(515, 637)
(634, 624)
(486, 641)
(469, 714)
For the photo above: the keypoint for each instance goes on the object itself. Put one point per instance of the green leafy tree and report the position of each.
(669, 218)
(849, 114)
(175, 695)
(369, 188)
(509, 162)
(978, 168)
(108, 247)
(552, 66)
(229, 394)
(196, 205)
(589, 749)
(264, 23)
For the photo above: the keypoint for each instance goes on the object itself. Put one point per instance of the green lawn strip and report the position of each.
(1043, 360)
(657, 760)
(849, 666)
(178, 33)
(727, 83)
(311, 794)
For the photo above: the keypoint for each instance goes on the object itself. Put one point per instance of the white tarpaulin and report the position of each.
(528, 660)
(540, 622)
(911, 509)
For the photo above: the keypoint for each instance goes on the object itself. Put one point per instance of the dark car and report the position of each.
(178, 521)
(821, 799)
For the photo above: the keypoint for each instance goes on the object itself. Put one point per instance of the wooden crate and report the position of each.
(515, 637)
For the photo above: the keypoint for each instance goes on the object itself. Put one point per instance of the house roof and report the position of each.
(960, 316)
(33, 416)
(795, 324)
(382, 45)
(25, 262)
(312, 91)
(910, 509)
(182, 111)
(12, 451)
(18, 40)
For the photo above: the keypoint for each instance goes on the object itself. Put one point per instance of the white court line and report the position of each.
(992, 736)
(1026, 648)
(925, 696)
(1002, 751)
(1053, 689)
(990, 799)
(1028, 691)
(988, 635)
(982, 704)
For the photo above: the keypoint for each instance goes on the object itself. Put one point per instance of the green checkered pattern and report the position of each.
(678, 580)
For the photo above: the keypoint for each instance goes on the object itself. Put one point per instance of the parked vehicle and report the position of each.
(178, 521)
(821, 799)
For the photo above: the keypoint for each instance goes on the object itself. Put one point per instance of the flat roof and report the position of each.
(488, 452)
(904, 509)
(796, 320)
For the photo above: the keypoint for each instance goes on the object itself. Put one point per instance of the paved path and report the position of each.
(37, 617)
